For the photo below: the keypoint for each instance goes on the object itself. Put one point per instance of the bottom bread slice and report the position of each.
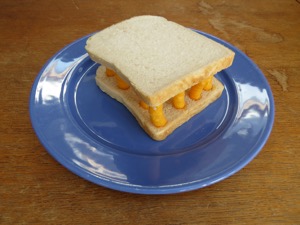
(175, 117)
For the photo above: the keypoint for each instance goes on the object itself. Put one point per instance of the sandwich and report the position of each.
(161, 71)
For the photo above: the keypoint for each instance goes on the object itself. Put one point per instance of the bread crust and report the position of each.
(175, 117)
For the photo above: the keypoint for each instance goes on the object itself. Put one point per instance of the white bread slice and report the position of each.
(175, 117)
(157, 57)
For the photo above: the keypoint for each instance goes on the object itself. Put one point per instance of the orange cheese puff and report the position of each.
(109, 72)
(157, 116)
(144, 105)
(196, 91)
(208, 85)
(178, 101)
(121, 83)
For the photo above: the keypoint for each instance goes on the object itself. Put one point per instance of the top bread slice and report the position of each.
(157, 57)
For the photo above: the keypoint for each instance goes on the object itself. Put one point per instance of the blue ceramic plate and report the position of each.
(98, 139)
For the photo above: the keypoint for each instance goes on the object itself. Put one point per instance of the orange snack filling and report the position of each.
(121, 83)
(144, 105)
(178, 101)
(196, 91)
(208, 85)
(109, 72)
(157, 116)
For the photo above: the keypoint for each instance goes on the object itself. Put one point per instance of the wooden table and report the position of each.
(36, 189)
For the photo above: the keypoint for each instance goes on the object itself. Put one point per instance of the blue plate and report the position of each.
(98, 139)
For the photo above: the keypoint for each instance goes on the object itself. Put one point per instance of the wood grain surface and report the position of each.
(36, 189)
